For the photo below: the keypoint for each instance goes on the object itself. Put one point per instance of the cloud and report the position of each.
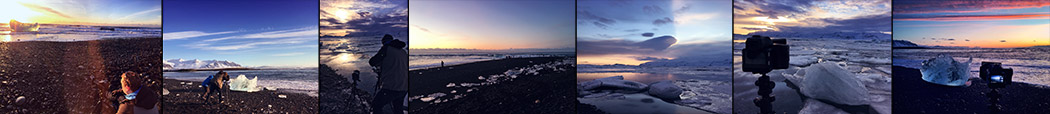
(250, 44)
(45, 9)
(603, 47)
(1045, 15)
(364, 17)
(136, 14)
(191, 34)
(299, 32)
(963, 6)
(289, 54)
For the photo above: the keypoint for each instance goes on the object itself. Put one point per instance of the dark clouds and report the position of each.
(373, 20)
(962, 6)
(603, 47)
(663, 21)
(874, 23)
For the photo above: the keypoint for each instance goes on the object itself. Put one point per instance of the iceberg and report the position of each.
(944, 70)
(23, 27)
(829, 81)
(614, 83)
(242, 83)
(665, 90)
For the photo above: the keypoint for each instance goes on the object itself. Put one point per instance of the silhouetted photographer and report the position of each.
(997, 77)
(761, 55)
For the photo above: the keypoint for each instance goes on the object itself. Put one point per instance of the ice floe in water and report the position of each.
(829, 81)
(945, 70)
(242, 83)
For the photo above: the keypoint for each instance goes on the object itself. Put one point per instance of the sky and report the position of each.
(973, 23)
(365, 17)
(811, 16)
(280, 33)
(637, 32)
(85, 12)
(499, 24)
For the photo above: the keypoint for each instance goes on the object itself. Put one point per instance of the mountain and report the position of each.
(899, 44)
(199, 64)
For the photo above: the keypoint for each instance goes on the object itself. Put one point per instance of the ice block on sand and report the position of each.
(944, 70)
(242, 83)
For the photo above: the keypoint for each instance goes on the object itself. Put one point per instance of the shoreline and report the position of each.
(186, 98)
(548, 91)
(925, 97)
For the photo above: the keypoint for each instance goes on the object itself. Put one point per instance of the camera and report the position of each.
(763, 54)
(995, 75)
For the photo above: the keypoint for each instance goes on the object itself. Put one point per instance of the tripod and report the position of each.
(765, 99)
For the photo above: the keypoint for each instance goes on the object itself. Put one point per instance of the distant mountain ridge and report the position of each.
(839, 35)
(199, 64)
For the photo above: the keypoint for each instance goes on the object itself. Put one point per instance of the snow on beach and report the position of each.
(868, 60)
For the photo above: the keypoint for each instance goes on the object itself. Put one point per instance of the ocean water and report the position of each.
(346, 54)
(429, 58)
(69, 33)
(708, 88)
(300, 81)
(1031, 64)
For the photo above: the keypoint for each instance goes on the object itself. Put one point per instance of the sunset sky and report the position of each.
(973, 23)
(87, 12)
(811, 16)
(499, 24)
(638, 32)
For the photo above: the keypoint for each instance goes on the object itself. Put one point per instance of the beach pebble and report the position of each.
(282, 96)
(20, 99)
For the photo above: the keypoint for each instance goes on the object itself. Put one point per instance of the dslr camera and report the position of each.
(995, 75)
(763, 54)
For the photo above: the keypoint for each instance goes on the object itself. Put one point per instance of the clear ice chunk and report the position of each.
(944, 70)
(829, 81)
(242, 83)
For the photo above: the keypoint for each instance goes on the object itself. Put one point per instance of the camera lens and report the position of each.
(997, 79)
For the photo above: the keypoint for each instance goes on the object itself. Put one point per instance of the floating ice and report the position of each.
(945, 71)
(615, 82)
(242, 83)
(829, 81)
(665, 90)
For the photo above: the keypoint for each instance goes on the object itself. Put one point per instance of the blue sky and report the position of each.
(497, 24)
(637, 32)
(251, 33)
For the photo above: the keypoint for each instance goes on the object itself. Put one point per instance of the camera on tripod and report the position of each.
(995, 75)
(763, 54)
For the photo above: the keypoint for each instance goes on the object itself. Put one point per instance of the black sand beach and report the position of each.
(73, 77)
(549, 92)
(913, 95)
(185, 99)
(339, 96)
